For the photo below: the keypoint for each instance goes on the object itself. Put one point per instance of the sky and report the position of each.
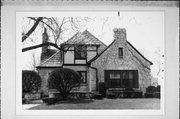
(145, 31)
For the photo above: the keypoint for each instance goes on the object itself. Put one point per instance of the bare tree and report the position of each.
(34, 62)
(57, 27)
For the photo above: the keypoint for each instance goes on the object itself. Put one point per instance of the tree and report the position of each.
(31, 82)
(64, 80)
(57, 28)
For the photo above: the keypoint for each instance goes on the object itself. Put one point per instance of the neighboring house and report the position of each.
(119, 65)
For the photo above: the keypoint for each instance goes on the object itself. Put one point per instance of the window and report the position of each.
(122, 78)
(83, 75)
(80, 52)
(120, 52)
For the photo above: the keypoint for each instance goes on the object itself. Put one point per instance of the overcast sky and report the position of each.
(145, 31)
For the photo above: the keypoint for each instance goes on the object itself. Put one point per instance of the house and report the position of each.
(119, 65)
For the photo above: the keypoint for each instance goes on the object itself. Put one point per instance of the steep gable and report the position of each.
(120, 38)
(84, 38)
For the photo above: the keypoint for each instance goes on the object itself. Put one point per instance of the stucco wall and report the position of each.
(131, 60)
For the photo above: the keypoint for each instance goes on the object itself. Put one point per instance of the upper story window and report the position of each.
(80, 52)
(120, 52)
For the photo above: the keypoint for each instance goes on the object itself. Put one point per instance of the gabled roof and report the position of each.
(52, 61)
(52, 58)
(139, 53)
(85, 38)
(93, 59)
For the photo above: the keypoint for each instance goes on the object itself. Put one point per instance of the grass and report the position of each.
(103, 104)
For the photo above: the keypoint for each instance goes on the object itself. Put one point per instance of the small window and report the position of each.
(120, 52)
(83, 75)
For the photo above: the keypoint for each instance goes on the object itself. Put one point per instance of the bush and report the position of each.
(157, 94)
(102, 89)
(111, 96)
(138, 94)
(98, 96)
(158, 88)
(50, 101)
(149, 95)
(150, 89)
(64, 80)
(31, 82)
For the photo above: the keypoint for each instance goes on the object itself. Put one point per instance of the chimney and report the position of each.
(119, 34)
(45, 39)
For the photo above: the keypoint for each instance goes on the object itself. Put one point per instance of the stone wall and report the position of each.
(131, 60)
(44, 74)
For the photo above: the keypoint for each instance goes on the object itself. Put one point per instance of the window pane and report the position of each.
(80, 52)
(130, 75)
(115, 75)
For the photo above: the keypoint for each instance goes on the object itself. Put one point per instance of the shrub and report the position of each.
(149, 95)
(31, 82)
(98, 96)
(64, 80)
(138, 94)
(157, 94)
(150, 89)
(50, 101)
(111, 96)
(158, 88)
(102, 89)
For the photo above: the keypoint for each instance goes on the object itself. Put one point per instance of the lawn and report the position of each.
(145, 103)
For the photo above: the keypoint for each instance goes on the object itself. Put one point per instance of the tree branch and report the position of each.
(42, 22)
(32, 29)
(41, 45)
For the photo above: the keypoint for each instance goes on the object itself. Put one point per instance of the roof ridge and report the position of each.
(94, 37)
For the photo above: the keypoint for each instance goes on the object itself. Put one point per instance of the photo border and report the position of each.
(174, 64)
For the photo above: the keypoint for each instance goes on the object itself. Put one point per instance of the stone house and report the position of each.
(119, 65)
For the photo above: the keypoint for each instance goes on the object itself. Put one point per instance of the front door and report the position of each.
(121, 78)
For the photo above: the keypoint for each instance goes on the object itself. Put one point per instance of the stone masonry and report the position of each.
(109, 60)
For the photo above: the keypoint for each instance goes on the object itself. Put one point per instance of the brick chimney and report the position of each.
(44, 52)
(119, 34)
(45, 38)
